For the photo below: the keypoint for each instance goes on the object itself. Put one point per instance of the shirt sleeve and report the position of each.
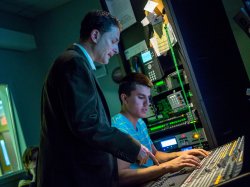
(119, 124)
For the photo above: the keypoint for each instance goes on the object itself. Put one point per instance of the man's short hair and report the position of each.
(29, 155)
(129, 82)
(98, 19)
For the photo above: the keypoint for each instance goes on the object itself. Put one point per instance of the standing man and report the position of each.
(134, 94)
(77, 145)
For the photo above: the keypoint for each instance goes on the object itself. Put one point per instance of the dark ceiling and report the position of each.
(29, 8)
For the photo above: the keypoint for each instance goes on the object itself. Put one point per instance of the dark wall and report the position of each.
(21, 71)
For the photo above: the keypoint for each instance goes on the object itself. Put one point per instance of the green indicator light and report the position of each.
(159, 83)
(151, 119)
(177, 121)
(190, 94)
(157, 127)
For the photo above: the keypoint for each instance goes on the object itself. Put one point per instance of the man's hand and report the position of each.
(144, 154)
(185, 160)
(196, 152)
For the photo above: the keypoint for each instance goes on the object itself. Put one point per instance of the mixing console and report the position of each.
(222, 164)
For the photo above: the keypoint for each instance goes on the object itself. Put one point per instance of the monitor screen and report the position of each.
(186, 148)
(146, 56)
(168, 142)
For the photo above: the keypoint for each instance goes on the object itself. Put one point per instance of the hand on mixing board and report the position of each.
(144, 155)
(185, 160)
(195, 152)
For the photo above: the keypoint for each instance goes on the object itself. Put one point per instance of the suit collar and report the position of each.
(85, 52)
(77, 49)
(81, 53)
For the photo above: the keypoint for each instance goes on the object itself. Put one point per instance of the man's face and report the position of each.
(137, 103)
(107, 45)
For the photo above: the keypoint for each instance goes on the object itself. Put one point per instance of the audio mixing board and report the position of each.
(221, 165)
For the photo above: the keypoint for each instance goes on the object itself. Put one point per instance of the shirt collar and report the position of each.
(90, 61)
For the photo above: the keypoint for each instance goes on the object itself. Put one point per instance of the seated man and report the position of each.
(29, 160)
(134, 94)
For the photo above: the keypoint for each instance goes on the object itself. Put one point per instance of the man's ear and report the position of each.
(124, 98)
(95, 35)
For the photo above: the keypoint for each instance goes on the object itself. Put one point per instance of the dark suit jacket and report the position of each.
(77, 145)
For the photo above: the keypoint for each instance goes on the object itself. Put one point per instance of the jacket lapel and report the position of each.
(103, 101)
(79, 51)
